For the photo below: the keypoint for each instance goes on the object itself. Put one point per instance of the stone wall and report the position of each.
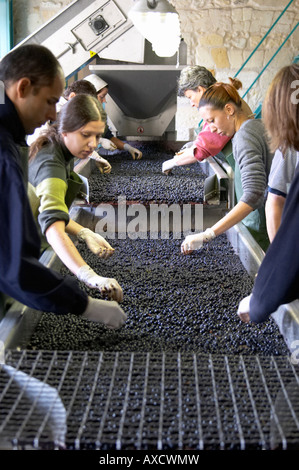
(30, 15)
(220, 35)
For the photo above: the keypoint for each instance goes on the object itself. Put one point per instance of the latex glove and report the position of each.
(96, 243)
(104, 311)
(102, 164)
(134, 152)
(105, 285)
(168, 165)
(107, 144)
(195, 242)
(243, 309)
(187, 145)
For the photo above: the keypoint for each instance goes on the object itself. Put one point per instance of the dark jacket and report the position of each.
(277, 282)
(22, 276)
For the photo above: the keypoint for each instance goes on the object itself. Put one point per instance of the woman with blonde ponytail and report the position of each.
(223, 109)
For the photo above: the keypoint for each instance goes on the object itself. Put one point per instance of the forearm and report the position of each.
(236, 215)
(185, 158)
(73, 228)
(64, 247)
(273, 208)
(119, 144)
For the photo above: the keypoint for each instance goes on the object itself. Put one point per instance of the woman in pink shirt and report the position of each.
(193, 82)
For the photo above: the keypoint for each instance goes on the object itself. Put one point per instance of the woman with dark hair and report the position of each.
(221, 107)
(277, 282)
(53, 186)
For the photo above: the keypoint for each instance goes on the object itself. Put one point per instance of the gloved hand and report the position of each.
(134, 152)
(188, 145)
(195, 242)
(105, 285)
(102, 164)
(96, 243)
(243, 309)
(107, 144)
(168, 165)
(104, 311)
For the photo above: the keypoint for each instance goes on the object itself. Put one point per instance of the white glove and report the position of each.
(107, 144)
(96, 243)
(134, 152)
(243, 309)
(104, 311)
(105, 285)
(195, 242)
(168, 165)
(102, 164)
(187, 145)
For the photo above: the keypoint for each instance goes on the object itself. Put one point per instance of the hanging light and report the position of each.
(158, 22)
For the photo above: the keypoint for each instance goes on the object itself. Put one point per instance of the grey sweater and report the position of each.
(252, 155)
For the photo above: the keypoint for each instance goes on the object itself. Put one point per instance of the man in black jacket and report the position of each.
(33, 80)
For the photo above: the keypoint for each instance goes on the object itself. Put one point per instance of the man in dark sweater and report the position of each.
(33, 82)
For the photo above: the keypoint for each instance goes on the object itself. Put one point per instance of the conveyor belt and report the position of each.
(143, 180)
(166, 381)
(173, 302)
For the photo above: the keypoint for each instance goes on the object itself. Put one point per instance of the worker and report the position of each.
(102, 91)
(82, 87)
(53, 186)
(86, 87)
(221, 108)
(277, 281)
(33, 80)
(193, 82)
(280, 178)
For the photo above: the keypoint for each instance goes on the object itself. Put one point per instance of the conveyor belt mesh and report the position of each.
(145, 401)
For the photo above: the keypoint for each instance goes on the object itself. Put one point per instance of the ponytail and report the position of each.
(219, 94)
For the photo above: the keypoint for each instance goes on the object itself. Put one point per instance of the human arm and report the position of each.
(22, 276)
(207, 144)
(184, 157)
(53, 218)
(102, 164)
(94, 241)
(196, 241)
(69, 255)
(64, 247)
(135, 153)
(274, 209)
(253, 160)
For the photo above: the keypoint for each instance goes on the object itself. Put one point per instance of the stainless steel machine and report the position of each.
(142, 86)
